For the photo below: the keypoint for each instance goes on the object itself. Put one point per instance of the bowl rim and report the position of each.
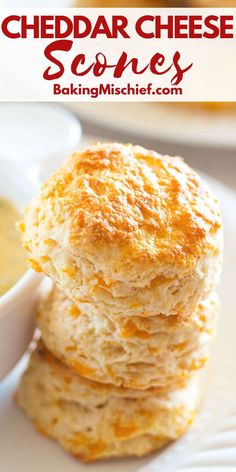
(19, 289)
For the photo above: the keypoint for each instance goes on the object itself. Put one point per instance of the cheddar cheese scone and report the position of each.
(137, 352)
(95, 421)
(126, 230)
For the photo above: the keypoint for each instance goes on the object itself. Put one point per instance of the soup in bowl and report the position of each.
(12, 256)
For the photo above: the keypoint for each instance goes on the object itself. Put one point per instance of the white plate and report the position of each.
(167, 122)
(209, 446)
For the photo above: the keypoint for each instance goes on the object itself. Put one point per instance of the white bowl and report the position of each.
(18, 303)
(44, 135)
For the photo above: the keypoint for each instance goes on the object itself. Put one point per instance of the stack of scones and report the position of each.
(132, 241)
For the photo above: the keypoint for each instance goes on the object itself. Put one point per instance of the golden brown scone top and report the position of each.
(128, 202)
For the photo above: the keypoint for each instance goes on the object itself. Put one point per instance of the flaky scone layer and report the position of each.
(128, 230)
(135, 351)
(95, 421)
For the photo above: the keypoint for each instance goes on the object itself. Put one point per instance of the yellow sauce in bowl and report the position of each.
(12, 256)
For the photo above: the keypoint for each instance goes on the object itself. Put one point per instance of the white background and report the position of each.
(212, 77)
